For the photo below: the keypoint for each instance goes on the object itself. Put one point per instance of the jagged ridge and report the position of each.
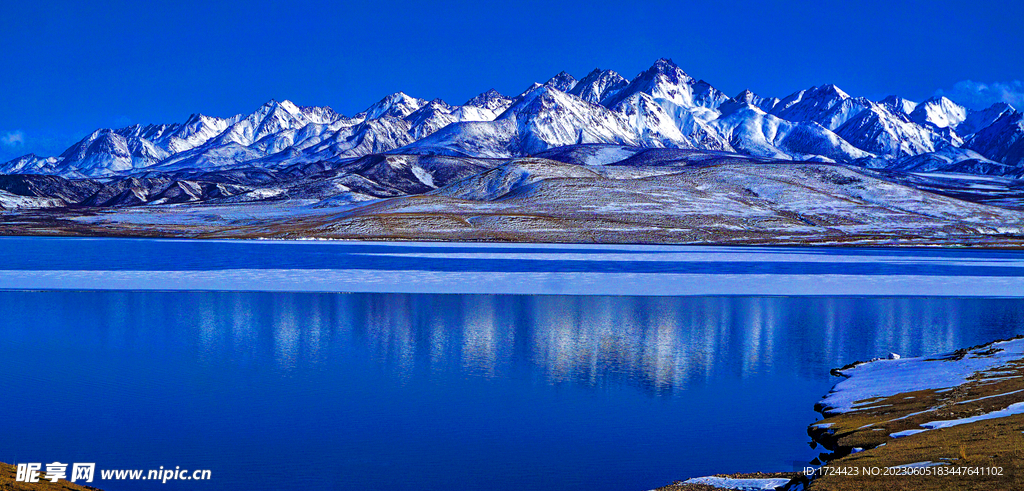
(662, 107)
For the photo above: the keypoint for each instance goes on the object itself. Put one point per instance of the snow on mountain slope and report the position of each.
(102, 152)
(371, 136)
(652, 124)
(271, 118)
(828, 106)
(754, 132)
(307, 136)
(979, 120)
(599, 85)
(671, 87)
(487, 139)
(10, 201)
(765, 103)
(299, 138)
(939, 111)
(547, 117)
(899, 104)
(590, 154)
(953, 159)
(727, 202)
(437, 114)
(661, 107)
(1003, 140)
(500, 181)
(429, 118)
(541, 118)
(473, 113)
(491, 100)
(563, 82)
(704, 95)
(398, 105)
(214, 157)
(702, 134)
(882, 131)
(30, 164)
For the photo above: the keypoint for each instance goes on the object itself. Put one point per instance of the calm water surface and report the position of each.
(443, 392)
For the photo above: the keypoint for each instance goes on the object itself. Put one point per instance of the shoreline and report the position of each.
(509, 269)
(27, 227)
(923, 423)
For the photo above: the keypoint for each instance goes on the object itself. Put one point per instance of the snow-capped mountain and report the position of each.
(884, 132)
(751, 131)
(939, 111)
(599, 85)
(396, 105)
(563, 82)
(31, 164)
(899, 104)
(766, 104)
(492, 100)
(661, 107)
(979, 120)
(1001, 141)
(828, 106)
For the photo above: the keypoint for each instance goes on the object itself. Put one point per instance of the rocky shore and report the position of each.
(950, 421)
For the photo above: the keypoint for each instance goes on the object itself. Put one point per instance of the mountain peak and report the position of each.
(663, 64)
(749, 97)
(667, 68)
(939, 99)
(899, 104)
(490, 94)
(1001, 106)
(398, 104)
(563, 81)
(599, 85)
(832, 89)
(939, 111)
(491, 100)
(274, 104)
(661, 106)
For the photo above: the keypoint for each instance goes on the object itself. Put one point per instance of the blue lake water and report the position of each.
(293, 390)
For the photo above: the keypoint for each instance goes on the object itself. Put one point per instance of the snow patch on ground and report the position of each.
(608, 155)
(901, 434)
(886, 378)
(740, 484)
(1017, 408)
(926, 463)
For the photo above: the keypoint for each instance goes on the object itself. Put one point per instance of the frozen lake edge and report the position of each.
(38, 263)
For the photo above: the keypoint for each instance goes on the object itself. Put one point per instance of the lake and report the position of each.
(459, 390)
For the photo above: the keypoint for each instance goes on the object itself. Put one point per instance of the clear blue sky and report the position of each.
(69, 67)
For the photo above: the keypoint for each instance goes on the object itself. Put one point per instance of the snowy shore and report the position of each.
(954, 419)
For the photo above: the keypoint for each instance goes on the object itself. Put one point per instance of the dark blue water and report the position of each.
(442, 392)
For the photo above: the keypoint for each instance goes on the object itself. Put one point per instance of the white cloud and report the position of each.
(980, 95)
(13, 139)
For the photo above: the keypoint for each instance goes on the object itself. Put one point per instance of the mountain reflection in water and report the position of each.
(399, 391)
(658, 344)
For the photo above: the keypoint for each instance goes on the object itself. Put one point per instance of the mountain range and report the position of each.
(662, 107)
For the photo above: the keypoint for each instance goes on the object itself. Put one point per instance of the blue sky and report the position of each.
(69, 67)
